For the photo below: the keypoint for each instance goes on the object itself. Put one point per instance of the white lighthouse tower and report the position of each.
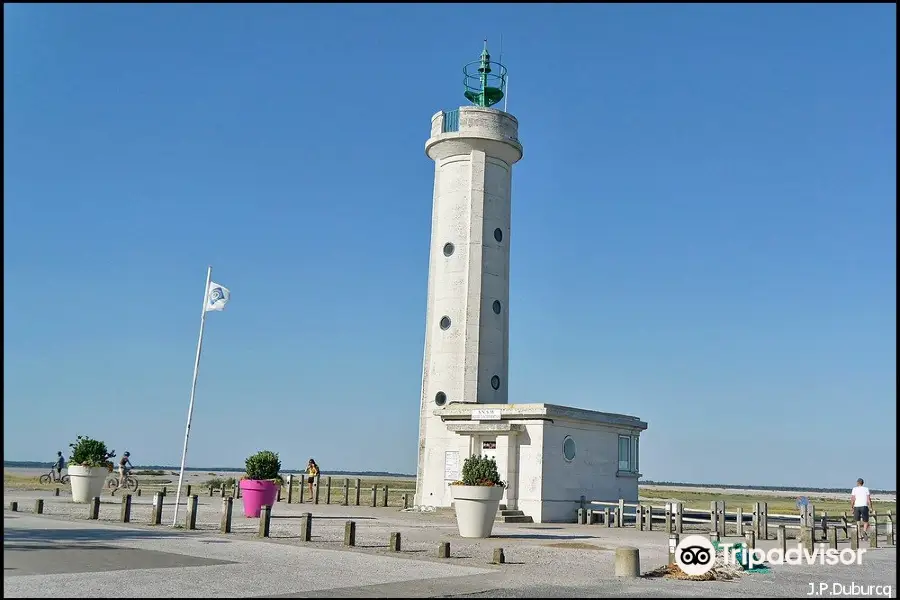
(551, 457)
(467, 315)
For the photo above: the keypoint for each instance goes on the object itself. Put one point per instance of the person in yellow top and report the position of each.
(312, 470)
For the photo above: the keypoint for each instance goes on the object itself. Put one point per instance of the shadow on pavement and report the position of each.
(12, 535)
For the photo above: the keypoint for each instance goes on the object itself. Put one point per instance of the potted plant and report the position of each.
(88, 467)
(261, 483)
(476, 498)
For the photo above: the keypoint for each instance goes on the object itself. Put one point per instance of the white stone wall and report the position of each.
(592, 473)
(471, 200)
(531, 460)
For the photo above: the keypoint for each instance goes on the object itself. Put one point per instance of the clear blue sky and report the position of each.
(703, 228)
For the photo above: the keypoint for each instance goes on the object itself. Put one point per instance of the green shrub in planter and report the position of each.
(264, 465)
(480, 470)
(88, 452)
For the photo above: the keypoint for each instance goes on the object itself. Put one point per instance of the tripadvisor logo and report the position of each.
(696, 555)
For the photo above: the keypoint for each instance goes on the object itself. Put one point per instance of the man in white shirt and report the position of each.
(861, 501)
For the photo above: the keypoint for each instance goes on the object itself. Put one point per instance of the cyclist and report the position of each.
(58, 465)
(124, 465)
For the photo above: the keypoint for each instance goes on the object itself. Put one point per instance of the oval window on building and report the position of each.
(497, 307)
(440, 398)
(495, 382)
(448, 249)
(569, 449)
(445, 323)
(498, 234)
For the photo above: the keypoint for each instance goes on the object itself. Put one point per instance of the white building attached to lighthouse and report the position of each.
(549, 455)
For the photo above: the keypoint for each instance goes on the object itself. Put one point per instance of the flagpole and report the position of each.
(187, 429)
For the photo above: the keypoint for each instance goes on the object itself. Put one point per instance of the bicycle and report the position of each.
(48, 478)
(130, 483)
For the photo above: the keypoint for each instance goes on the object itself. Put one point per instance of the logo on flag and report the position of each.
(217, 297)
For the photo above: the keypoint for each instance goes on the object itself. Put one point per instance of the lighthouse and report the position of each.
(548, 455)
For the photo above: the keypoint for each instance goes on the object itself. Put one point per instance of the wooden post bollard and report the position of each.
(374, 495)
(315, 497)
(300, 489)
(679, 510)
(751, 539)
(581, 519)
(739, 522)
(832, 538)
(754, 524)
(764, 521)
(721, 511)
(617, 517)
(39, 506)
(782, 538)
(873, 535)
(139, 492)
(620, 517)
(395, 542)
(190, 519)
(278, 498)
(328, 490)
(628, 561)
(891, 540)
(157, 508)
(845, 525)
(14, 506)
(56, 492)
(187, 491)
(444, 550)
(125, 515)
(346, 501)
(306, 527)
(225, 525)
(606, 517)
(405, 501)
(164, 492)
(350, 533)
(650, 517)
(237, 491)
(854, 537)
(211, 491)
(714, 536)
(290, 488)
(713, 514)
(499, 557)
(673, 544)
(265, 515)
(95, 508)
(807, 538)
(358, 488)
(384, 501)
(668, 518)
(639, 517)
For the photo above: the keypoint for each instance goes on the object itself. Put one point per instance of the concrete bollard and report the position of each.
(668, 526)
(157, 508)
(346, 501)
(306, 527)
(394, 544)
(328, 490)
(750, 536)
(350, 533)
(444, 550)
(891, 540)
(764, 521)
(807, 538)
(650, 518)
(14, 506)
(358, 488)
(499, 557)
(832, 538)
(384, 501)
(639, 517)
(227, 506)
(854, 537)
(628, 562)
(56, 492)
(673, 544)
(617, 517)
(739, 522)
(190, 519)
(39, 506)
(620, 513)
(265, 516)
(607, 520)
(782, 538)
(873, 535)
(95, 508)
(721, 511)
(125, 514)
(374, 496)
(714, 536)
(581, 518)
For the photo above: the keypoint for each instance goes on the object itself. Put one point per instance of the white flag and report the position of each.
(216, 297)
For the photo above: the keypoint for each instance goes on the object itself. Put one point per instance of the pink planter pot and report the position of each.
(256, 493)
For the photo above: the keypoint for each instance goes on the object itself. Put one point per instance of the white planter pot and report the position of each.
(476, 508)
(87, 482)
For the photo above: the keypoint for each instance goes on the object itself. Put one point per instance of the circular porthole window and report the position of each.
(445, 323)
(498, 234)
(440, 398)
(495, 382)
(569, 449)
(448, 249)
(497, 307)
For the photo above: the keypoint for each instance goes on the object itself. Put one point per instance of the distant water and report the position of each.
(30, 464)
